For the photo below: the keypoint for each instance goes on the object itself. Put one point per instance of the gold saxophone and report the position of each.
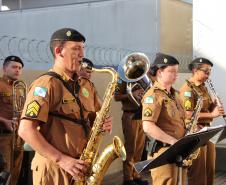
(100, 165)
(191, 127)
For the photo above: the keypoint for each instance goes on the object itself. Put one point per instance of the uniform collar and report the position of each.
(157, 85)
(63, 75)
(7, 80)
(196, 84)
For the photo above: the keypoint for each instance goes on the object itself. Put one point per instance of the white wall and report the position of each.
(122, 25)
(209, 40)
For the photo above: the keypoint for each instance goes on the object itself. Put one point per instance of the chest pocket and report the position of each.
(87, 102)
(169, 107)
(6, 98)
(172, 109)
(69, 107)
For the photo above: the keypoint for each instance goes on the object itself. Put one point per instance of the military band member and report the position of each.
(12, 70)
(203, 168)
(163, 116)
(55, 119)
(133, 132)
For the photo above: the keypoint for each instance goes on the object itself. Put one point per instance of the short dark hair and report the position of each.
(56, 43)
(153, 69)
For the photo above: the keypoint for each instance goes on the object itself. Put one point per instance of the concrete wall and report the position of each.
(176, 30)
(209, 41)
(112, 29)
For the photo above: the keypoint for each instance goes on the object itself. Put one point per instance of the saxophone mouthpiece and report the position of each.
(85, 65)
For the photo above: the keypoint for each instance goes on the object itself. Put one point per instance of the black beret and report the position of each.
(13, 58)
(89, 62)
(162, 59)
(199, 61)
(67, 34)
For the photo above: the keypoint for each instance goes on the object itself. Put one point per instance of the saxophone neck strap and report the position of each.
(74, 90)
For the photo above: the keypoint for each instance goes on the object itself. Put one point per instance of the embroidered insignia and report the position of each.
(85, 92)
(149, 100)
(117, 89)
(187, 94)
(32, 109)
(187, 104)
(68, 33)
(147, 112)
(200, 60)
(40, 91)
(165, 60)
(65, 101)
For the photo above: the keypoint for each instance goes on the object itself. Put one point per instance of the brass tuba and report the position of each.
(133, 69)
(99, 165)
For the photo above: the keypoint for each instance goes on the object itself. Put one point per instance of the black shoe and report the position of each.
(129, 182)
(141, 182)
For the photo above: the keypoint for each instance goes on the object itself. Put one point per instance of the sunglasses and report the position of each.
(207, 71)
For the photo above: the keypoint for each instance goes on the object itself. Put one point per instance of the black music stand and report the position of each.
(222, 135)
(179, 151)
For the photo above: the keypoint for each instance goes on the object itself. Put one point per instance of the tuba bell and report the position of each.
(133, 69)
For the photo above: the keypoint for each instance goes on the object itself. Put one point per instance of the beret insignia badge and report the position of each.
(68, 33)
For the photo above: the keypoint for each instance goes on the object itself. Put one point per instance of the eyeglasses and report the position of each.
(207, 71)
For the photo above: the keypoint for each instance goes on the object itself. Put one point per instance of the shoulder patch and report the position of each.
(33, 109)
(187, 94)
(187, 104)
(149, 100)
(40, 91)
(85, 92)
(147, 112)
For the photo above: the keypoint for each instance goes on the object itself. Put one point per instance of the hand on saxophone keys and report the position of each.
(75, 167)
(107, 124)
